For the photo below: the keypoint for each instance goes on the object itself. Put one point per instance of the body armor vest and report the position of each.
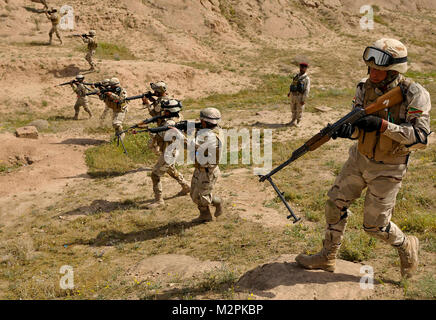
(375, 145)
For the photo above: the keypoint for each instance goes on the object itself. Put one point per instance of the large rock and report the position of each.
(283, 279)
(29, 132)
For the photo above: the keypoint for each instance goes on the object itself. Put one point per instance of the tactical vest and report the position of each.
(116, 106)
(297, 84)
(162, 144)
(216, 132)
(55, 20)
(375, 145)
(92, 44)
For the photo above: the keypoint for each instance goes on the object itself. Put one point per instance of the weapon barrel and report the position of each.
(140, 96)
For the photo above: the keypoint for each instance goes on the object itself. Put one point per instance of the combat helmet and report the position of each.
(210, 115)
(159, 87)
(92, 33)
(80, 77)
(106, 82)
(114, 82)
(386, 54)
(172, 105)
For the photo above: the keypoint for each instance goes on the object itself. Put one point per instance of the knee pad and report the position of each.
(333, 214)
(379, 232)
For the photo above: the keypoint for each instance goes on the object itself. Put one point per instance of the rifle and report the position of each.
(95, 84)
(83, 35)
(103, 90)
(149, 95)
(385, 101)
(66, 83)
(182, 126)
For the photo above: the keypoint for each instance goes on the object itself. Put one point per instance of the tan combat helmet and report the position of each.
(92, 33)
(80, 77)
(106, 82)
(211, 115)
(114, 82)
(386, 54)
(159, 87)
(172, 105)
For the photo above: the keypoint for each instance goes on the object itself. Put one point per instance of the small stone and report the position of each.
(29, 132)
(323, 109)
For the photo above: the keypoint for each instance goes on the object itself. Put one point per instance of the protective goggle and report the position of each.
(381, 58)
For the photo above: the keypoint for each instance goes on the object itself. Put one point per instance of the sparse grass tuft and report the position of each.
(109, 160)
(357, 246)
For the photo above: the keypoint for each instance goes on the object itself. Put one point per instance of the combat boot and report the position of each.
(298, 125)
(76, 116)
(205, 215)
(158, 202)
(291, 123)
(324, 260)
(408, 253)
(218, 204)
(186, 189)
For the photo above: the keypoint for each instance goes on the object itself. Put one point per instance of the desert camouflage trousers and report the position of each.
(383, 181)
(81, 102)
(88, 58)
(202, 184)
(159, 170)
(118, 119)
(54, 29)
(296, 107)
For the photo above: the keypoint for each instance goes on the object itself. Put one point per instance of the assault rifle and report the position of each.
(95, 84)
(102, 90)
(389, 99)
(182, 126)
(84, 35)
(149, 95)
(66, 83)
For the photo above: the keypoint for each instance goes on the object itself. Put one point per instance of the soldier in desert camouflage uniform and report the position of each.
(82, 99)
(92, 46)
(105, 83)
(379, 160)
(167, 164)
(299, 91)
(54, 18)
(154, 107)
(116, 101)
(206, 165)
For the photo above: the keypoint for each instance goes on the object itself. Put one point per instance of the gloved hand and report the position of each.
(344, 131)
(369, 123)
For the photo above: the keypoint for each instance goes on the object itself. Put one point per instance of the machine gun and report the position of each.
(149, 95)
(182, 126)
(389, 99)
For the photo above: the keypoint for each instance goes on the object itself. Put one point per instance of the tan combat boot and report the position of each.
(158, 202)
(408, 253)
(218, 204)
(205, 215)
(186, 189)
(324, 260)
